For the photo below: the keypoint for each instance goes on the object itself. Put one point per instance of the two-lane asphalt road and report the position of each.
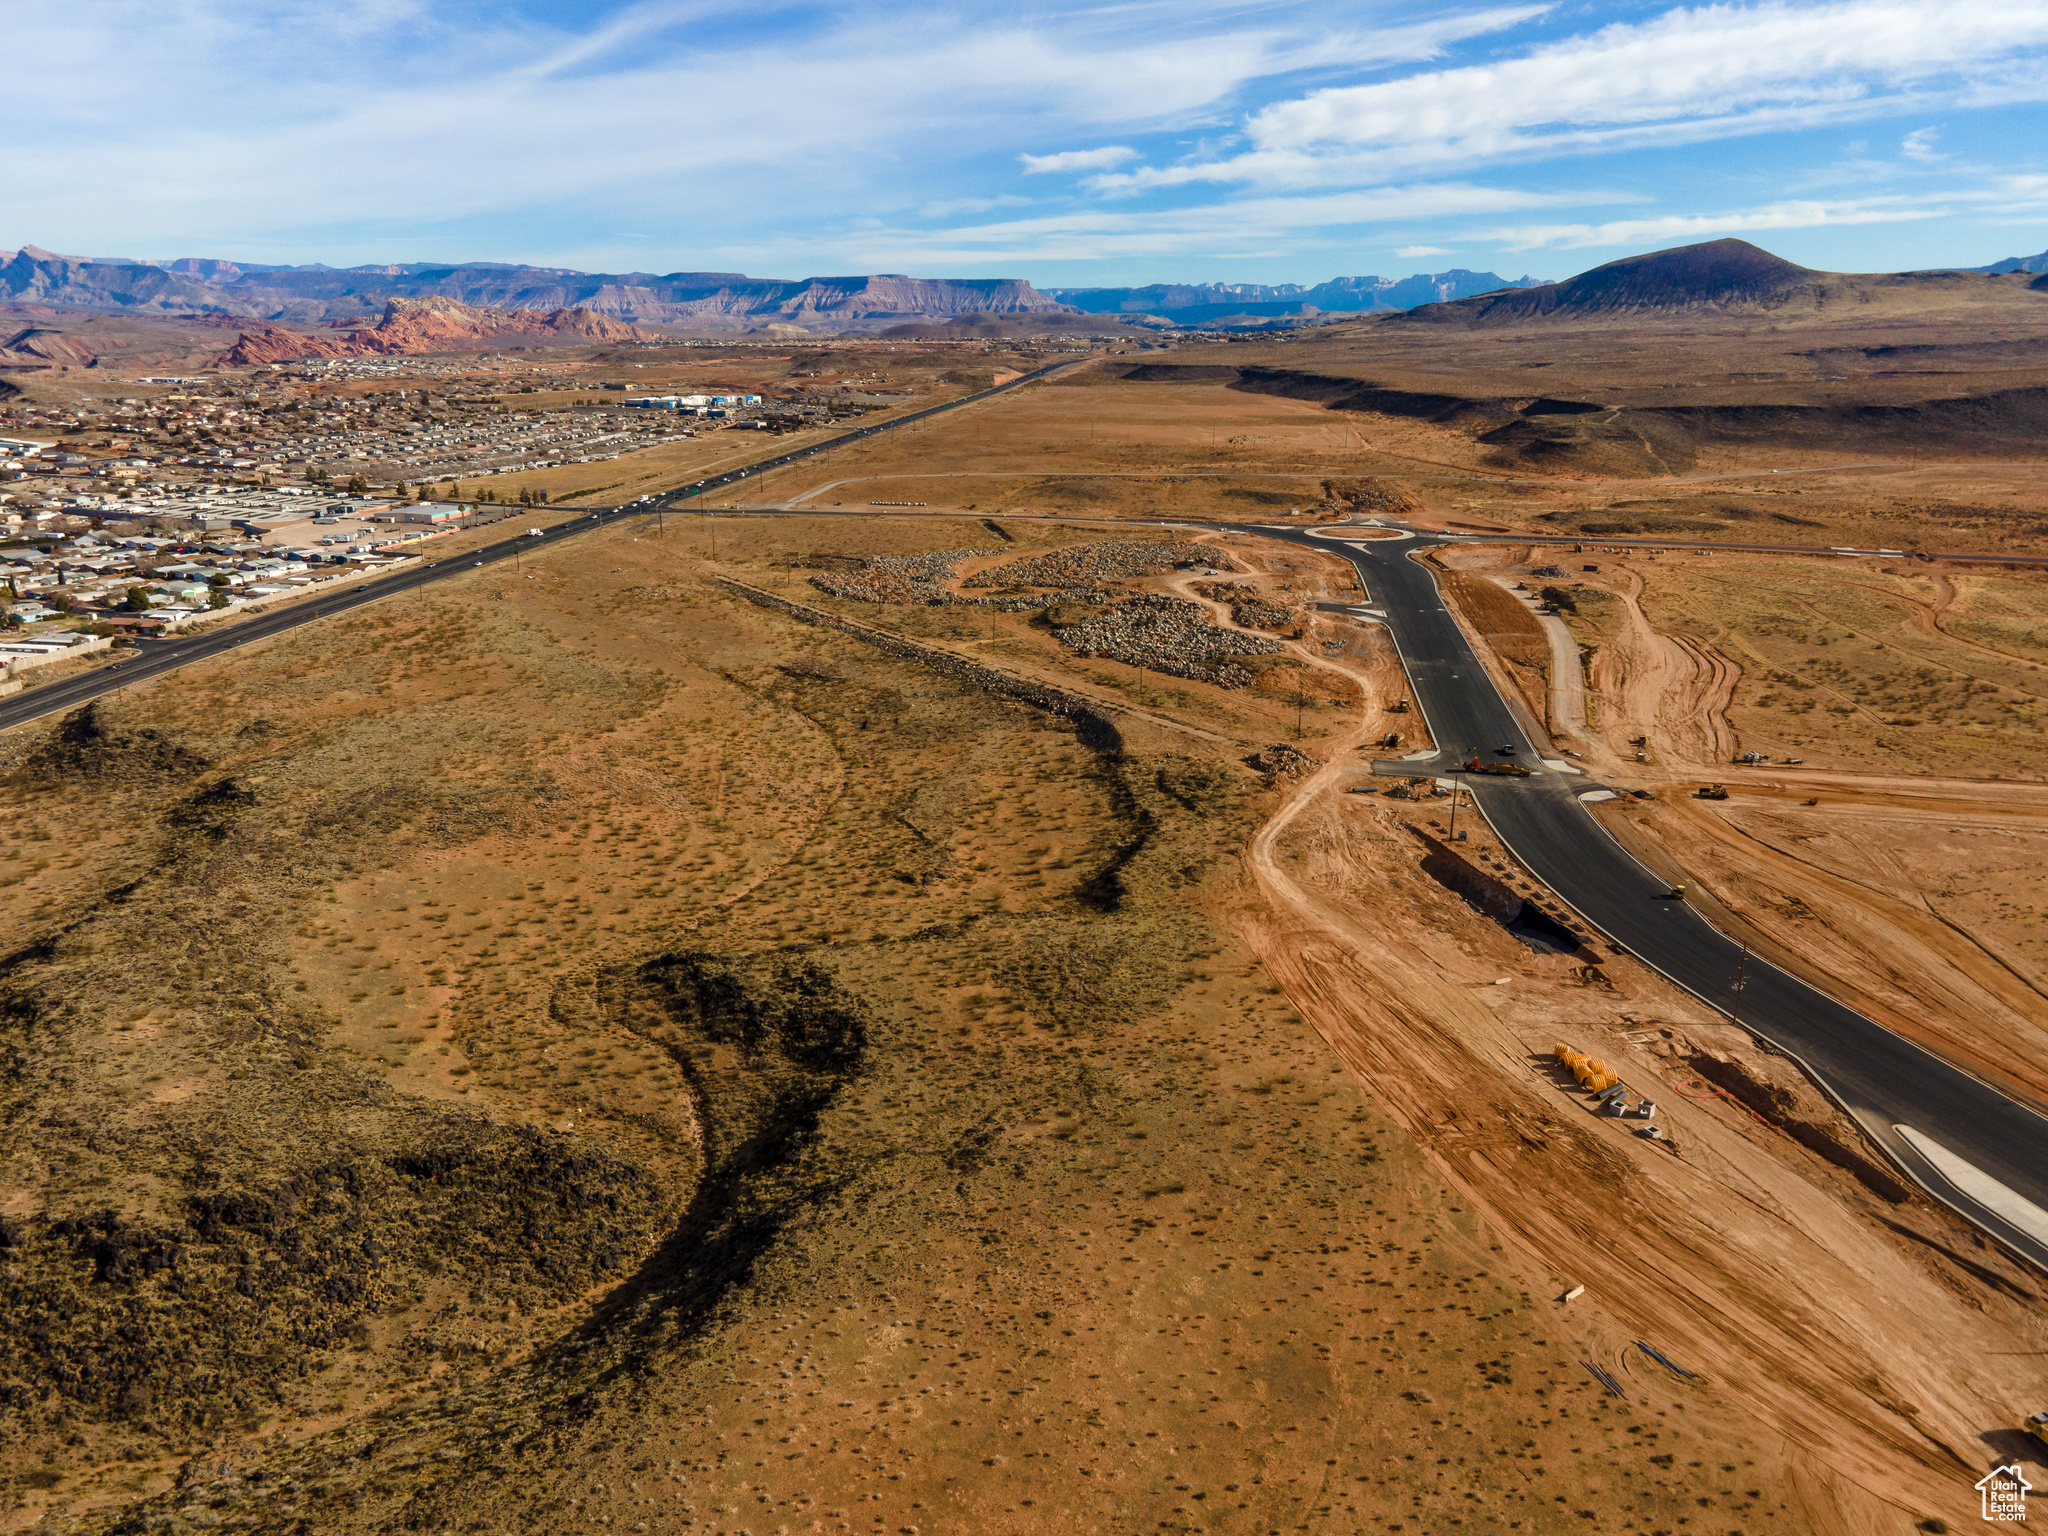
(153, 658)
(1885, 1081)
(733, 477)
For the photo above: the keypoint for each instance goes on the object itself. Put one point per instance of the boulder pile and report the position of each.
(1170, 635)
(1248, 608)
(1113, 560)
(899, 578)
(1281, 760)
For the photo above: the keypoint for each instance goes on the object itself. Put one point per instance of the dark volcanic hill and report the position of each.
(1718, 275)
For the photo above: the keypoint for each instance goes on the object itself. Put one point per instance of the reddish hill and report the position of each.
(274, 344)
(36, 346)
(414, 327)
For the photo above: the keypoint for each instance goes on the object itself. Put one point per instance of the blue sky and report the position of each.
(1071, 144)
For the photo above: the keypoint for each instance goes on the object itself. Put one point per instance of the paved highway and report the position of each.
(672, 499)
(1885, 1081)
(153, 658)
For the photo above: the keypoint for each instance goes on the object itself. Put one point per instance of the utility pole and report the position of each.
(1741, 975)
(1456, 789)
(1297, 711)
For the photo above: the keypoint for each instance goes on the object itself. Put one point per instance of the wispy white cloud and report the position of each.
(249, 124)
(1672, 229)
(1709, 72)
(1919, 144)
(1078, 159)
(1410, 252)
(1273, 223)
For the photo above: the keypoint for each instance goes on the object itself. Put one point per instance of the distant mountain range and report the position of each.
(2016, 264)
(1195, 303)
(318, 293)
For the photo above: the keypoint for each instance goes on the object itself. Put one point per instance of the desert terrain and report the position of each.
(860, 1017)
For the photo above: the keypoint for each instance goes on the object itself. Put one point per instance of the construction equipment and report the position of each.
(1510, 770)
(1398, 707)
(2037, 1425)
(1391, 740)
(1678, 893)
(1711, 792)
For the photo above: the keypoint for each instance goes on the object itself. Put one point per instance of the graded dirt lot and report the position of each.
(583, 1046)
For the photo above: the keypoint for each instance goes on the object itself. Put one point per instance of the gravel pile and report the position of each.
(1115, 560)
(1170, 635)
(899, 578)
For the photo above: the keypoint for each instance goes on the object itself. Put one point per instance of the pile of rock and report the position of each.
(1282, 761)
(899, 578)
(1369, 497)
(1115, 560)
(1170, 635)
(1248, 608)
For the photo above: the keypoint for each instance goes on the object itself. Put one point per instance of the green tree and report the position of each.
(137, 600)
(358, 486)
(316, 475)
(219, 598)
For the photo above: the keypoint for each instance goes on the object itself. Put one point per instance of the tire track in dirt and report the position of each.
(1673, 690)
(1822, 1325)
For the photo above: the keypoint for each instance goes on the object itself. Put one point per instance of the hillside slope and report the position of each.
(412, 327)
(1716, 278)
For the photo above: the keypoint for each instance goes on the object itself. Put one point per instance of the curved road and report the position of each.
(1951, 1132)
(1885, 1081)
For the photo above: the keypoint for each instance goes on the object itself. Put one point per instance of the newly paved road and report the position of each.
(1884, 1080)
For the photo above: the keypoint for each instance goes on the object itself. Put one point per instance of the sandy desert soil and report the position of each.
(787, 1087)
(583, 1047)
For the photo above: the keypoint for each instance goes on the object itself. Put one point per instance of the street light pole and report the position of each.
(1741, 975)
